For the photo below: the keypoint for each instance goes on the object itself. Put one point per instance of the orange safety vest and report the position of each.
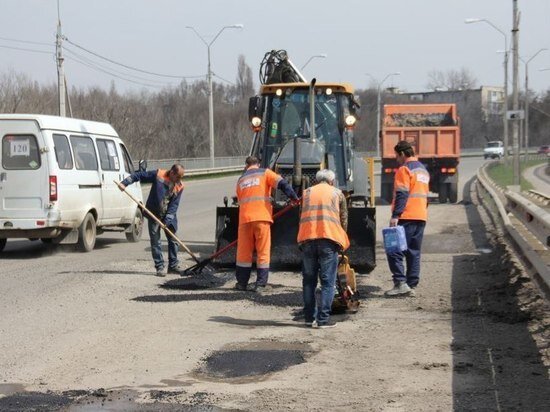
(320, 217)
(413, 178)
(162, 176)
(254, 194)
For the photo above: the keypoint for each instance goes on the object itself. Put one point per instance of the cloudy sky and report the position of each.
(358, 37)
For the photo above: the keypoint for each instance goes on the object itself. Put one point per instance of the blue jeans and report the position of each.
(320, 260)
(414, 232)
(156, 246)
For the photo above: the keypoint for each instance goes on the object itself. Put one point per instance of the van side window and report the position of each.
(127, 160)
(84, 153)
(20, 152)
(108, 157)
(62, 151)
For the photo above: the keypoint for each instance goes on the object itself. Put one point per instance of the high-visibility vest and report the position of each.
(320, 216)
(162, 176)
(254, 194)
(413, 178)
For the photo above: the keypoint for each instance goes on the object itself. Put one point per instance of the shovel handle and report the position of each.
(230, 245)
(156, 219)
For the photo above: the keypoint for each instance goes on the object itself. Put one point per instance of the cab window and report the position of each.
(84, 153)
(62, 151)
(20, 152)
(127, 160)
(108, 155)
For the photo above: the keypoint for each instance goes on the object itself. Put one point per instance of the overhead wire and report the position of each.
(28, 50)
(25, 41)
(93, 63)
(130, 67)
(95, 67)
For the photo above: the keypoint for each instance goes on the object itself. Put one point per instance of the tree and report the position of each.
(451, 80)
(245, 84)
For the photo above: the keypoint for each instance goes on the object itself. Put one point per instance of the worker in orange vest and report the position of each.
(254, 189)
(410, 210)
(163, 202)
(322, 236)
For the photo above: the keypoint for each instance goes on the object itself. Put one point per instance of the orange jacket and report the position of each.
(411, 188)
(254, 194)
(320, 216)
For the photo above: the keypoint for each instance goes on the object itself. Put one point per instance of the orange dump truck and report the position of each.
(434, 132)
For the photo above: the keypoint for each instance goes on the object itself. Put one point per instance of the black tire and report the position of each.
(443, 193)
(136, 229)
(46, 240)
(453, 192)
(87, 234)
(3, 244)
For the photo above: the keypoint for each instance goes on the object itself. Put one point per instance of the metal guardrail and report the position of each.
(201, 165)
(533, 217)
(531, 247)
(540, 197)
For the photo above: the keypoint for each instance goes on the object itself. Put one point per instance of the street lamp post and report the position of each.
(321, 56)
(210, 95)
(378, 104)
(526, 130)
(505, 108)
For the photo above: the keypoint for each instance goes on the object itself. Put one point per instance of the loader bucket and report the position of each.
(285, 253)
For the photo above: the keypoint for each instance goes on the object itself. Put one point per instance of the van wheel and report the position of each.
(3, 244)
(136, 228)
(87, 234)
(46, 240)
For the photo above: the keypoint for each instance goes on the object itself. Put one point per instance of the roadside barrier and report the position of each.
(519, 224)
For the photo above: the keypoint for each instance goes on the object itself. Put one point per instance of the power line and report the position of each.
(28, 50)
(95, 64)
(225, 80)
(25, 41)
(130, 67)
(94, 67)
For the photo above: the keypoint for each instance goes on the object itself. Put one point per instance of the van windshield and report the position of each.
(494, 144)
(20, 152)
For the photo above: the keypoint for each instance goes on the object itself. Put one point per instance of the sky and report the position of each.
(362, 39)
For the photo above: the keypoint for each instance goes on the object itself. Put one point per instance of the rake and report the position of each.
(162, 225)
(201, 267)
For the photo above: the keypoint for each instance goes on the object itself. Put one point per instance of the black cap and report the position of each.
(401, 146)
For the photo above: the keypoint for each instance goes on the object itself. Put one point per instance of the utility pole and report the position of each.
(60, 74)
(515, 94)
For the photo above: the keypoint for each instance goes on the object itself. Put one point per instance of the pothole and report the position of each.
(248, 362)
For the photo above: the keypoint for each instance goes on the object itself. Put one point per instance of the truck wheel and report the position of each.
(136, 229)
(3, 244)
(453, 192)
(443, 193)
(87, 234)
(386, 192)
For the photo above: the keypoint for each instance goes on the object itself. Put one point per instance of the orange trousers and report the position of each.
(254, 236)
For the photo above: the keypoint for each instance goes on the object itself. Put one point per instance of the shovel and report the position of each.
(163, 226)
(200, 267)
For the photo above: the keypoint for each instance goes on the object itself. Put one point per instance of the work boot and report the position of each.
(240, 287)
(311, 324)
(160, 272)
(400, 289)
(260, 289)
(175, 270)
(326, 325)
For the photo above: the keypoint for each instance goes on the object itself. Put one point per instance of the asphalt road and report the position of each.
(99, 326)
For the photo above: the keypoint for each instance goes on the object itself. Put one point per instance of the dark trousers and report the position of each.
(414, 232)
(156, 246)
(320, 262)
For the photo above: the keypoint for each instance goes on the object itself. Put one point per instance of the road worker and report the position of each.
(321, 236)
(254, 188)
(163, 201)
(410, 210)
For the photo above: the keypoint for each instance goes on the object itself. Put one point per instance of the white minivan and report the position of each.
(57, 181)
